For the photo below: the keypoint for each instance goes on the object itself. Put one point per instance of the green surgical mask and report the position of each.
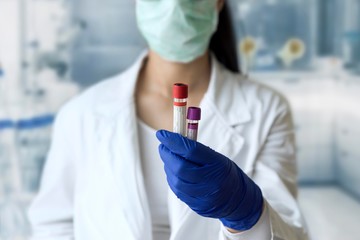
(177, 30)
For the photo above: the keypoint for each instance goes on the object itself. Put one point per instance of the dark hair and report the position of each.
(223, 42)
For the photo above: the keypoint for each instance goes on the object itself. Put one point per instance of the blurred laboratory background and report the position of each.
(51, 50)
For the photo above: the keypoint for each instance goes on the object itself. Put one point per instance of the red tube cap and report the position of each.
(180, 90)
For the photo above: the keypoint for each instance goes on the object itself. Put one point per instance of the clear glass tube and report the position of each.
(192, 130)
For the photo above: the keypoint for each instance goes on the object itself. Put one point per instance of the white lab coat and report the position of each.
(92, 186)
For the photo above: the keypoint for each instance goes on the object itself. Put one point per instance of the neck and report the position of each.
(159, 75)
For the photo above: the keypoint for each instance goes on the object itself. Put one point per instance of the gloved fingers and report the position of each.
(205, 206)
(192, 172)
(175, 160)
(222, 190)
(198, 189)
(176, 142)
(189, 149)
(183, 168)
(194, 202)
(183, 196)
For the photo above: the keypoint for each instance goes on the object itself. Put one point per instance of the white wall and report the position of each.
(10, 38)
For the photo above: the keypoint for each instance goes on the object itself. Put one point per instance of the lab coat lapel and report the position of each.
(127, 169)
(117, 116)
(223, 110)
(225, 113)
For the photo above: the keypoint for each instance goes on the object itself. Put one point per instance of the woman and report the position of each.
(105, 179)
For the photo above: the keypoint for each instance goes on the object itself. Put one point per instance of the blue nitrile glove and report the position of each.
(209, 183)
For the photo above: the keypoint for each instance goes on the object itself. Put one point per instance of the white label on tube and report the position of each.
(179, 123)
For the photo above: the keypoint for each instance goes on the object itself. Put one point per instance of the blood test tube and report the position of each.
(180, 94)
(193, 116)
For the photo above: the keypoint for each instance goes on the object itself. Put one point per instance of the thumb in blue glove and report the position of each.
(209, 183)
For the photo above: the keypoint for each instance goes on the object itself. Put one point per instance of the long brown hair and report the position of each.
(223, 42)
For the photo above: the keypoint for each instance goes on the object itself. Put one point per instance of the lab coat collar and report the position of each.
(224, 95)
(120, 90)
(231, 106)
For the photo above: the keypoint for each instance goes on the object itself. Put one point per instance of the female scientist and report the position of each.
(107, 177)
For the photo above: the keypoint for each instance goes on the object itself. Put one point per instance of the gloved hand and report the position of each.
(209, 183)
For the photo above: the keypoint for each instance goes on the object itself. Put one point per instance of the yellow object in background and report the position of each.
(293, 49)
(248, 49)
(248, 46)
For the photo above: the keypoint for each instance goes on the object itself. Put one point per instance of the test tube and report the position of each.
(180, 94)
(193, 116)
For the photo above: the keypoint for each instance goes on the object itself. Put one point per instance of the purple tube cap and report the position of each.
(194, 113)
